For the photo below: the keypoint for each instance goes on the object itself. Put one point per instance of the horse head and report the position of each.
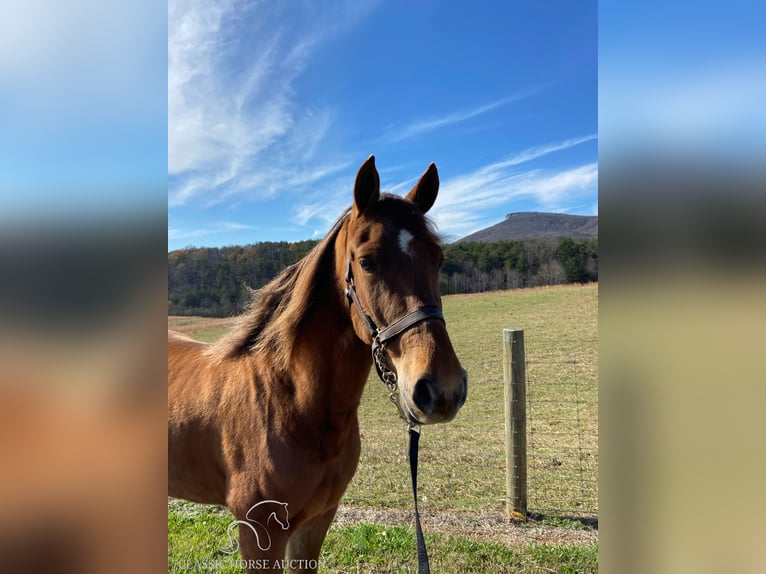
(391, 261)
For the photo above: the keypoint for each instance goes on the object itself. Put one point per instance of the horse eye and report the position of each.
(367, 265)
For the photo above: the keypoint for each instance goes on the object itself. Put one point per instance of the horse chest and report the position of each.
(330, 483)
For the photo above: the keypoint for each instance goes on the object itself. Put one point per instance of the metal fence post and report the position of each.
(515, 378)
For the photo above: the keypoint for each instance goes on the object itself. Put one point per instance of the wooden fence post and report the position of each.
(514, 367)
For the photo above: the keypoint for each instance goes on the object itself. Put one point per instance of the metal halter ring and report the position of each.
(381, 336)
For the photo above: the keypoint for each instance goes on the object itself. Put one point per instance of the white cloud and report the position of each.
(328, 200)
(532, 153)
(233, 122)
(468, 202)
(324, 205)
(465, 201)
(175, 233)
(396, 134)
(402, 187)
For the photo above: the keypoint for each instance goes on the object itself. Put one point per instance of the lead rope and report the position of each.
(423, 566)
(388, 376)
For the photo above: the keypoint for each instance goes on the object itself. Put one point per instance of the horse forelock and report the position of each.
(405, 215)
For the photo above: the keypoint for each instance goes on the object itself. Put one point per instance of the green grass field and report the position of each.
(462, 464)
(195, 543)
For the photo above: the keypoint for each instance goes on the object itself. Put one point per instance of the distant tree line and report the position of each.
(213, 281)
(500, 265)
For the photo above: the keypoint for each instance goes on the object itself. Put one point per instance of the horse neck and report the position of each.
(330, 364)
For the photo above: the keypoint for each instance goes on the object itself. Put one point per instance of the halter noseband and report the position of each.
(382, 336)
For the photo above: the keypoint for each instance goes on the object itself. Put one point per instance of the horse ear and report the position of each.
(367, 186)
(424, 193)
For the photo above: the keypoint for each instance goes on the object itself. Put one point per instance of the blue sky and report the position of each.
(272, 107)
(83, 111)
(683, 82)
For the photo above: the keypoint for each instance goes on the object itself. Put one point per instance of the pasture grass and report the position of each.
(203, 329)
(462, 464)
(195, 543)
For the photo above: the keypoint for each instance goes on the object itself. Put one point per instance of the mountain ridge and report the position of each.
(538, 225)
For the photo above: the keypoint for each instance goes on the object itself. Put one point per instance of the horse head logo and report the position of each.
(271, 509)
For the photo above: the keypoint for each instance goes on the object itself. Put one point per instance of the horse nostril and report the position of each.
(463, 392)
(422, 396)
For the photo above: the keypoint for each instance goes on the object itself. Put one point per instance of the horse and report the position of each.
(269, 412)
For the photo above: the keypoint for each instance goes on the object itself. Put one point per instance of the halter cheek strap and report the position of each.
(354, 298)
(382, 336)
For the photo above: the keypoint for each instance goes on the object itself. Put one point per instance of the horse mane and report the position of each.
(271, 320)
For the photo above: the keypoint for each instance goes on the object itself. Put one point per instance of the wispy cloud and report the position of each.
(175, 233)
(466, 201)
(398, 133)
(533, 153)
(323, 206)
(469, 201)
(238, 130)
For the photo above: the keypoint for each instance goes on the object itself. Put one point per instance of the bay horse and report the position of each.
(269, 412)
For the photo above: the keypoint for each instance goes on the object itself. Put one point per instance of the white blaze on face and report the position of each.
(405, 237)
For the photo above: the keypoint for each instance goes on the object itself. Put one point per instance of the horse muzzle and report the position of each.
(433, 400)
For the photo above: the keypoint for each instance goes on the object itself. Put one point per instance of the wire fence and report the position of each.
(562, 429)
(463, 463)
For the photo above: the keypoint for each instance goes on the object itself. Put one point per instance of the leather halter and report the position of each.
(382, 365)
(381, 336)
